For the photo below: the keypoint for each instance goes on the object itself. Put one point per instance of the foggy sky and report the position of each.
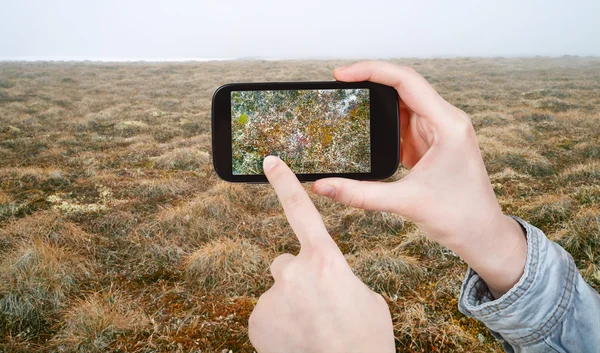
(297, 29)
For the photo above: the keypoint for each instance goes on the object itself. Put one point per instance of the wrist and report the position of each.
(497, 253)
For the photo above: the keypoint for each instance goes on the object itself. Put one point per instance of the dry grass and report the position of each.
(586, 172)
(105, 169)
(230, 266)
(386, 271)
(93, 324)
(36, 281)
(187, 158)
(47, 226)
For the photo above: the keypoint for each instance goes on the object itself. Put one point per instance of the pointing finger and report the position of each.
(302, 215)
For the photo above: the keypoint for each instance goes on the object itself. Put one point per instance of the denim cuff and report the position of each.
(536, 305)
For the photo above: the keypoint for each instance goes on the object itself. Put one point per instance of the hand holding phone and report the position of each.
(447, 192)
(320, 129)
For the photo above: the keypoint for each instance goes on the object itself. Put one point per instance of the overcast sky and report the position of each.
(297, 29)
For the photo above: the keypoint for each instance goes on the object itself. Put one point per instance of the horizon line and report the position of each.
(201, 59)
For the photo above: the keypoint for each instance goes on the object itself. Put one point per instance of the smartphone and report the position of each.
(320, 129)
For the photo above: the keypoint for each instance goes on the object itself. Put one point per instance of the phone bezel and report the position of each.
(384, 127)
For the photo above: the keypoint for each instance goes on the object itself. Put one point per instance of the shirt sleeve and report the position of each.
(550, 309)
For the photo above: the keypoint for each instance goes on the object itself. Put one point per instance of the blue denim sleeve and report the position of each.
(550, 309)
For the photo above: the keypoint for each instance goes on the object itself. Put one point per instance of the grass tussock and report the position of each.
(48, 227)
(36, 281)
(549, 211)
(581, 234)
(131, 127)
(182, 159)
(386, 271)
(416, 244)
(583, 173)
(506, 175)
(499, 155)
(152, 189)
(197, 221)
(36, 177)
(355, 221)
(419, 329)
(115, 223)
(93, 324)
(234, 266)
(588, 195)
(588, 150)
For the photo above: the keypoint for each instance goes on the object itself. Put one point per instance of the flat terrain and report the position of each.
(116, 235)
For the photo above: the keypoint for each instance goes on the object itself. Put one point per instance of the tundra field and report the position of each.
(117, 236)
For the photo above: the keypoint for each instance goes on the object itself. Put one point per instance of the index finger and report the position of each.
(412, 88)
(302, 215)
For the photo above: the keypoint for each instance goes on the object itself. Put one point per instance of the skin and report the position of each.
(316, 303)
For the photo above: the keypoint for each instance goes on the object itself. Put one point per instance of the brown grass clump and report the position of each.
(7, 207)
(420, 330)
(115, 223)
(131, 127)
(36, 176)
(94, 323)
(506, 175)
(356, 221)
(208, 216)
(583, 173)
(195, 222)
(187, 158)
(233, 266)
(581, 233)
(588, 195)
(416, 244)
(36, 281)
(588, 149)
(158, 189)
(48, 226)
(386, 271)
(549, 211)
(4, 198)
(498, 155)
(483, 120)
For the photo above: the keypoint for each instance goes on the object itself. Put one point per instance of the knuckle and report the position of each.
(326, 262)
(409, 70)
(356, 199)
(282, 267)
(461, 123)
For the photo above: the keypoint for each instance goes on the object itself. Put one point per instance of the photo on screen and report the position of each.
(313, 131)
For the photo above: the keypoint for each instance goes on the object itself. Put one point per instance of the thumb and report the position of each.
(369, 195)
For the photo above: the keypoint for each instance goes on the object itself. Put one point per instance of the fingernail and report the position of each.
(269, 163)
(326, 190)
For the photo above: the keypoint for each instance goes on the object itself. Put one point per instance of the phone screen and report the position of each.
(313, 131)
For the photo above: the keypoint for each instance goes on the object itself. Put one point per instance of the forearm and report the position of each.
(551, 308)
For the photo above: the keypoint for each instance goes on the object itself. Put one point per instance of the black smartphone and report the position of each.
(320, 129)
